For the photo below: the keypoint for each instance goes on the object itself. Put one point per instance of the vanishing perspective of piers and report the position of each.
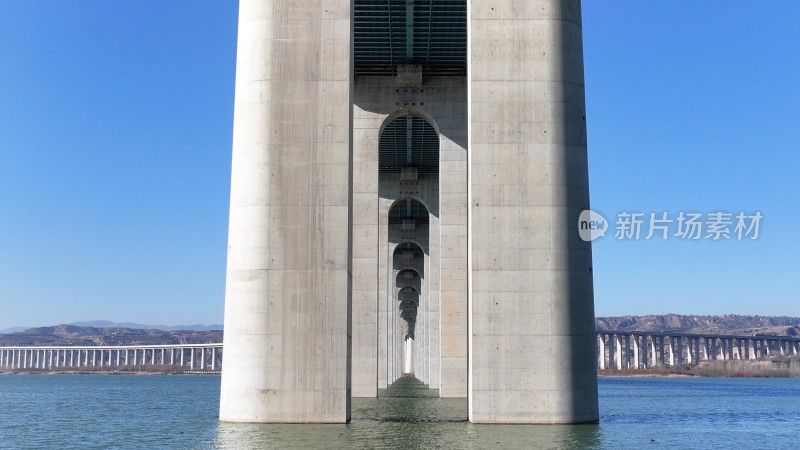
(407, 177)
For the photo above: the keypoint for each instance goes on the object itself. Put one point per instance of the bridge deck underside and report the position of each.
(428, 33)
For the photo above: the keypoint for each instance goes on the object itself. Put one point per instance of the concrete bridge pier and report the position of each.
(483, 169)
(661, 352)
(672, 351)
(615, 355)
(634, 343)
(707, 349)
(601, 351)
(653, 354)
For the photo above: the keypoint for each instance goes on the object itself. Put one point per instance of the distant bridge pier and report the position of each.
(712, 348)
(669, 356)
(679, 350)
(686, 350)
(601, 351)
(617, 347)
(661, 354)
(634, 343)
(697, 349)
(628, 349)
(705, 347)
(653, 362)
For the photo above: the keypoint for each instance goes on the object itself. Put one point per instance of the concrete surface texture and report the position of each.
(531, 300)
(287, 299)
(410, 218)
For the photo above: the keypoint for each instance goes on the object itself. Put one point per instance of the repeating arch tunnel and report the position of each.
(408, 266)
(409, 157)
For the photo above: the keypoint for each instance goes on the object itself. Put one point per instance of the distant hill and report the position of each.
(83, 335)
(107, 324)
(132, 325)
(13, 329)
(726, 324)
(110, 333)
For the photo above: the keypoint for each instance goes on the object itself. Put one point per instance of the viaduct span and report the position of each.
(188, 357)
(641, 350)
(615, 350)
(407, 177)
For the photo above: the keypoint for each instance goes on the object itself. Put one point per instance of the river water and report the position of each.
(180, 412)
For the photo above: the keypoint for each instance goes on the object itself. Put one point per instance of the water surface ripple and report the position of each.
(180, 412)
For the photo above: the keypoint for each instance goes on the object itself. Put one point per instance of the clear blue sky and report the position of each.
(115, 135)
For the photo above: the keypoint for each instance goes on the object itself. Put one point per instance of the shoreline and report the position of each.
(696, 372)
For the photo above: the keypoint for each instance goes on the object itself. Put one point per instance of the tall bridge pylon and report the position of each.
(407, 177)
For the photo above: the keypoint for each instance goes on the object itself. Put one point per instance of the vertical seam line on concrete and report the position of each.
(469, 210)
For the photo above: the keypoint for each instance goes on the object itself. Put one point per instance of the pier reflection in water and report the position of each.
(407, 415)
